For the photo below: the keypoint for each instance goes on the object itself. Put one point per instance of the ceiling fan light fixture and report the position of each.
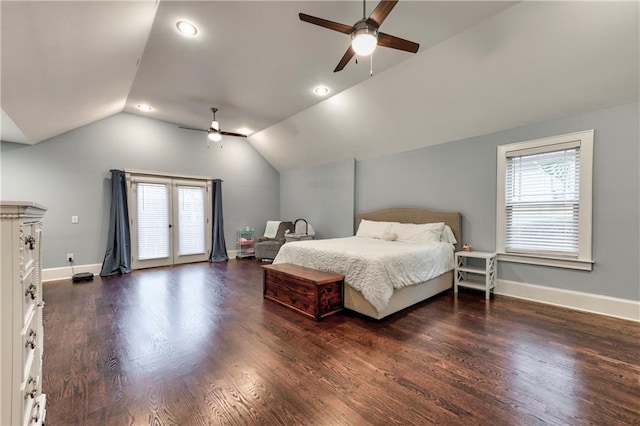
(214, 136)
(364, 39)
(187, 28)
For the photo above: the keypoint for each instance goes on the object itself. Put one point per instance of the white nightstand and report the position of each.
(477, 277)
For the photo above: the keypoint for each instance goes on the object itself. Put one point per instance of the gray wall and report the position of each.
(69, 174)
(322, 195)
(461, 176)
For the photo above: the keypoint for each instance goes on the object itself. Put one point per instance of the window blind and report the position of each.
(542, 201)
(153, 220)
(191, 220)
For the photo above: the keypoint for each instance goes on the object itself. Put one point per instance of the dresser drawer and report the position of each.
(38, 412)
(31, 348)
(29, 295)
(30, 394)
(29, 244)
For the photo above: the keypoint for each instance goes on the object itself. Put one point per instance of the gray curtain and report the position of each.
(218, 247)
(117, 259)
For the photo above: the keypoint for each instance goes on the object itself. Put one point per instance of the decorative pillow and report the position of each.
(373, 229)
(418, 233)
(447, 235)
(388, 236)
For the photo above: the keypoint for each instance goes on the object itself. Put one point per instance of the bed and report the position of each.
(304, 253)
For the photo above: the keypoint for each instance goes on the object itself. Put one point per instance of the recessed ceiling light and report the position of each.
(244, 131)
(187, 28)
(144, 107)
(321, 90)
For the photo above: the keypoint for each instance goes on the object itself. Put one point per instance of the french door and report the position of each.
(170, 220)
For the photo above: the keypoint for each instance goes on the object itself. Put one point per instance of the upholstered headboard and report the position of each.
(416, 215)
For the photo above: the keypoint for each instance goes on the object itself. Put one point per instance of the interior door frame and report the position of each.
(134, 177)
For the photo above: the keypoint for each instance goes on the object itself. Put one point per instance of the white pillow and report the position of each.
(373, 229)
(388, 236)
(447, 235)
(414, 233)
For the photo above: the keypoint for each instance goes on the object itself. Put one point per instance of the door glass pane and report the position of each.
(191, 220)
(153, 220)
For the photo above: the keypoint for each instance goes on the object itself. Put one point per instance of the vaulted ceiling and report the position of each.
(481, 67)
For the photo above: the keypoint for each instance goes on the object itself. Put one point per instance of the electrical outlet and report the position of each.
(69, 257)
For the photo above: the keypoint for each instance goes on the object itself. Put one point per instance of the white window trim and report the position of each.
(584, 261)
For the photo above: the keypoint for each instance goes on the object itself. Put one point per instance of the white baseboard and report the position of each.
(587, 302)
(65, 272)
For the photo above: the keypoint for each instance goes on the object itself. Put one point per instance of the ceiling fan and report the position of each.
(364, 33)
(214, 133)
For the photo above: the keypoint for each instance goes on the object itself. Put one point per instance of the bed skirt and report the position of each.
(402, 298)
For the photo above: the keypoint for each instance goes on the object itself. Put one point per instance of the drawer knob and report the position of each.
(30, 241)
(31, 290)
(34, 388)
(31, 343)
(36, 417)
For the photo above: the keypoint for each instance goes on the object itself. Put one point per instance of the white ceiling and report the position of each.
(482, 67)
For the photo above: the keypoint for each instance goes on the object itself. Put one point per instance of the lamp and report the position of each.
(364, 38)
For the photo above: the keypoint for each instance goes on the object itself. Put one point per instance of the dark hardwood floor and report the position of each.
(196, 344)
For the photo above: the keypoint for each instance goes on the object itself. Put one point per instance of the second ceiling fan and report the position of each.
(364, 33)
(214, 133)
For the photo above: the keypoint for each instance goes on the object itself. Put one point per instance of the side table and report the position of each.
(473, 276)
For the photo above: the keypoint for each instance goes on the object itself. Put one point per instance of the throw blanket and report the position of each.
(371, 266)
(272, 228)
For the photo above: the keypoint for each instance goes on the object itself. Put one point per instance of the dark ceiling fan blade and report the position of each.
(386, 40)
(345, 59)
(232, 134)
(381, 12)
(193, 128)
(336, 26)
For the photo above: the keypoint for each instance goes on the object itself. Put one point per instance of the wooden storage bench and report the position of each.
(313, 293)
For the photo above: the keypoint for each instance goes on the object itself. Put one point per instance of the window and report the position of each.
(153, 221)
(170, 218)
(191, 219)
(544, 201)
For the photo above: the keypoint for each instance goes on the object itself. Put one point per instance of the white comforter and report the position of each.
(373, 267)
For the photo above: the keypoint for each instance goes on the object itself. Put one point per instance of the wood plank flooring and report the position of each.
(197, 345)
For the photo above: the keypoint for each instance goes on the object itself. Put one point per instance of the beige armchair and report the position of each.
(269, 245)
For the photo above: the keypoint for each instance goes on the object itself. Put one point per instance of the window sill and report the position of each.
(582, 265)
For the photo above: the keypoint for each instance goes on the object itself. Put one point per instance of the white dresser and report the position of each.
(21, 333)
